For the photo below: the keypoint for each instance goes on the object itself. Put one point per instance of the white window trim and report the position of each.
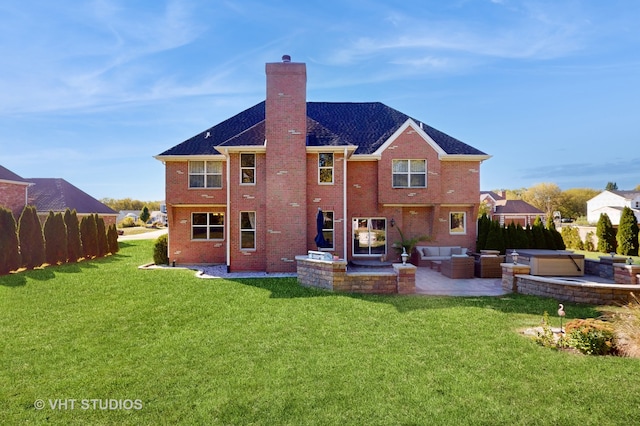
(255, 236)
(386, 234)
(248, 168)
(464, 223)
(333, 232)
(332, 168)
(205, 174)
(408, 173)
(208, 226)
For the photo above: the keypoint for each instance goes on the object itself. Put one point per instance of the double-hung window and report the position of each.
(325, 168)
(409, 173)
(207, 226)
(205, 174)
(247, 169)
(247, 230)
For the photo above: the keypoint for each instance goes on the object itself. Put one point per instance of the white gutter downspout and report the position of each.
(344, 207)
(228, 221)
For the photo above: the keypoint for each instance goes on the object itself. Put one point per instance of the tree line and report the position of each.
(494, 236)
(61, 239)
(624, 240)
(129, 204)
(548, 197)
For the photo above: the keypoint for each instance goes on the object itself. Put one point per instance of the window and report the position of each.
(325, 168)
(369, 236)
(247, 169)
(457, 223)
(409, 173)
(207, 226)
(205, 174)
(247, 230)
(327, 230)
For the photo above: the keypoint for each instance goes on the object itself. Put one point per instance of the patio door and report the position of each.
(369, 236)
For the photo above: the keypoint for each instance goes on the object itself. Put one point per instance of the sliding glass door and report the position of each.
(369, 236)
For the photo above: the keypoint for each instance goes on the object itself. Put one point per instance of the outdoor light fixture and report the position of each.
(629, 261)
(514, 256)
(393, 222)
(404, 256)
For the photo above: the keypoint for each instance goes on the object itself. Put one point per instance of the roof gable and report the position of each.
(56, 194)
(367, 125)
(8, 175)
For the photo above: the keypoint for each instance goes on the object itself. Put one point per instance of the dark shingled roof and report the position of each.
(516, 206)
(6, 174)
(366, 124)
(55, 194)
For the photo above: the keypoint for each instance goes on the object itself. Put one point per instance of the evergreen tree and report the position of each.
(74, 244)
(520, 240)
(495, 239)
(144, 214)
(101, 240)
(9, 244)
(89, 236)
(31, 238)
(112, 239)
(55, 236)
(537, 230)
(611, 186)
(606, 234)
(627, 236)
(484, 223)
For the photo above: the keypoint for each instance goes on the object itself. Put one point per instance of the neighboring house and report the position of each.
(123, 214)
(507, 211)
(157, 216)
(612, 203)
(247, 191)
(58, 195)
(13, 191)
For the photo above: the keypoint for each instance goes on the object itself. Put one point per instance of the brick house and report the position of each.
(13, 191)
(508, 211)
(247, 191)
(48, 194)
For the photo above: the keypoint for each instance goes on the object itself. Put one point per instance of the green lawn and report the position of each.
(267, 351)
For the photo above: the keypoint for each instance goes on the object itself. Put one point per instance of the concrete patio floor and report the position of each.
(432, 282)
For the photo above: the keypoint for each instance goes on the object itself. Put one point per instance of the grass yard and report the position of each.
(173, 348)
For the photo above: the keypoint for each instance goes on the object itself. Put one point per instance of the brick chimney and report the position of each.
(286, 171)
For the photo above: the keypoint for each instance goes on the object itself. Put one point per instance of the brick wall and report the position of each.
(286, 171)
(333, 275)
(12, 197)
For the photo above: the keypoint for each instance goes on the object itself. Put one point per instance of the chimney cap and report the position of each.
(286, 58)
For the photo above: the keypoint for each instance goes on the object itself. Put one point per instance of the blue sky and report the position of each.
(90, 91)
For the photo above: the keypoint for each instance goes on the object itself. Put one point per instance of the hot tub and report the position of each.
(550, 262)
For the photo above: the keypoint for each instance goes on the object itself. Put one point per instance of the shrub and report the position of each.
(31, 238)
(101, 236)
(55, 236)
(626, 322)
(591, 336)
(588, 242)
(128, 222)
(112, 239)
(9, 245)
(606, 234)
(627, 236)
(89, 236)
(74, 244)
(161, 250)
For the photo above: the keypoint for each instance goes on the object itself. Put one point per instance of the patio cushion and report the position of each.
(445, 251)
